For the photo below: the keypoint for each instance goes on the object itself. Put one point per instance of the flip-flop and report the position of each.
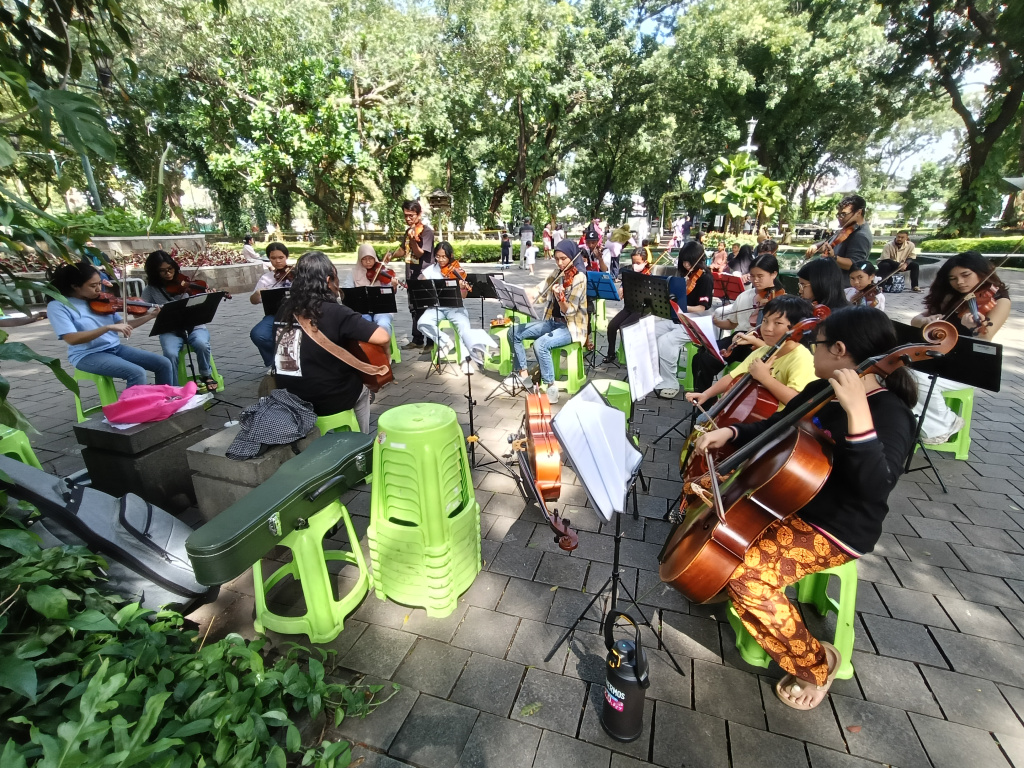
(790, 681)
(211, 384)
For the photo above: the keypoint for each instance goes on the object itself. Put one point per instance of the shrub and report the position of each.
(113, 222)
(981, 244)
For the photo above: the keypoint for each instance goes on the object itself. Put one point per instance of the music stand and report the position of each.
(514, 298)
(972, 362)
(371, 300)
(646, 294)
(429, 294)
(272, 298)
(600, 285)
(698, 337)
(481, 288)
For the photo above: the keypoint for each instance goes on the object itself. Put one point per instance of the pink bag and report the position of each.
(148, 402)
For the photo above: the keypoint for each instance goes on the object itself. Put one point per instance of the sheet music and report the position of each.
(640, 344)
(706, 328)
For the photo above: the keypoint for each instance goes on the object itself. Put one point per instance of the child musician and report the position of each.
(279, 276)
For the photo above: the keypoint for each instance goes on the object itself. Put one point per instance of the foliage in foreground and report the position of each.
(86, 679)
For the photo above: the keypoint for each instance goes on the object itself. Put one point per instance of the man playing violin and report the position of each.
(370, 272)
(279, 276)
(852, 243)
(417, 247)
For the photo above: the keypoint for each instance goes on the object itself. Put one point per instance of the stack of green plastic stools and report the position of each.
(686, 379)
(813, 588)
(575, 370)
(424, 529)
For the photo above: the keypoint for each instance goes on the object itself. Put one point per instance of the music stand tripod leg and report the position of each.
(917, 440)
(502, 387)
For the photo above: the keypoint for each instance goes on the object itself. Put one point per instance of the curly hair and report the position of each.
(153, 263)
(942, 294)
(309, 288)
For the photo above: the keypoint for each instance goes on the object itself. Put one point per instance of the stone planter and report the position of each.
(122, 245)
(233, 278)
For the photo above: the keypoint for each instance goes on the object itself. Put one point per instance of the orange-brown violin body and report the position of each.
(108, 304)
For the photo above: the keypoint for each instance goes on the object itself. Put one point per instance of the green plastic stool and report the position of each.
(396, 353)
(14, 443)
(521, 319)
(324, 618)
(424, 532)
(104, 387)
(502, 361)
(343, 421)
(455, 356)
(813, 588)
(600, 314)
(961, 402)
(616, 393)
(183, 375)
(686, 379)
(575, 370)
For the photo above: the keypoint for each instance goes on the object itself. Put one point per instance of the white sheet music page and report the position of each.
(640, 344)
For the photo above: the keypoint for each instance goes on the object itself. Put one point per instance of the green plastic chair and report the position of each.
(396, 353)
(424, 532)
(813, 589)
(14, 443)
(600, 314)
(455, 356)
(616, 393)
(183, 375)
(575, 371)
(685, 371)
(521, 319)
(104, 387)
(324, 618)
(343, 421)
(961, 402)
(502, 361)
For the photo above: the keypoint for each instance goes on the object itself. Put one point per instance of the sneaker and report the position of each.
(916, 289)
(609, 359)
(552, 391)
(412, 345)
(668, 394)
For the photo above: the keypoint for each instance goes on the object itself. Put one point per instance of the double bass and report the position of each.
(770, 478)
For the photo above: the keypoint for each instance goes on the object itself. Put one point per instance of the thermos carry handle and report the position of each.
(639, 655)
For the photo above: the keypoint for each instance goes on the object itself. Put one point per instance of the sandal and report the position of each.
(210, 383)
(792, 684)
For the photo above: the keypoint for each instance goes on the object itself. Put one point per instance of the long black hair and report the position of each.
(692, 253)
(70, 276)
(867, 332)
(942, 294)
(445, 247)
(826, 279)
(153, 263)
(743, 261)
(309, 288)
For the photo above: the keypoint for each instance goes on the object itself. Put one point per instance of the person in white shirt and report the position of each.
(530, 255)
(359, 279)
(248, 252)
(862, 276)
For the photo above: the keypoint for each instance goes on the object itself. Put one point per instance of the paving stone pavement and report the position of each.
(939, 661)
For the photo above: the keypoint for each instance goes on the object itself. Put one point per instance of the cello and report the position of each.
(770, 478)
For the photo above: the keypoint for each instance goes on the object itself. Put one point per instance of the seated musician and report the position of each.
(624, 317)
(303, 367)
(872, 426)
(279, 276)
(431, 318)
(744, 313)
(164, 283)
(694, 282)
(862, 277)
(369, 272)
(821, 281)
(790, 370)
(92, 337)
(565, 319)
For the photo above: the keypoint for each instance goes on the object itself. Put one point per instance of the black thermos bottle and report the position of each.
(626, 683)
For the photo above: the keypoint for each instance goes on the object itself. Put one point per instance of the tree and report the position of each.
(738, 183)
(928, 184)
(942, 41)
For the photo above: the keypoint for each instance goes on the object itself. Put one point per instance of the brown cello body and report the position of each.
(372, 355)
(542, 448)
(703, 551)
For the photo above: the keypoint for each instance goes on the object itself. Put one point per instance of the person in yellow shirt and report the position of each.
(788, 372)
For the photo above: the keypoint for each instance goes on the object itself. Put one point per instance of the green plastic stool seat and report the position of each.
(616, 393)
(424, 532)
(14, 443)
(686, 379)
(343, 421)
(396, 353)
(502, 361)
(183, 375)
(324, 618)
(455, 356)
(104, 387)
(961, 402)
(812, 588)
(521, 319)
(575, 368)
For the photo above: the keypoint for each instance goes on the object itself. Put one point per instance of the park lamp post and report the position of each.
(750, 147)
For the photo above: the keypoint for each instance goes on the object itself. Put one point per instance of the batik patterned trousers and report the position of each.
(786, 552)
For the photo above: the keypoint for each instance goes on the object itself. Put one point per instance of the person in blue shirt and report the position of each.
(93, 339)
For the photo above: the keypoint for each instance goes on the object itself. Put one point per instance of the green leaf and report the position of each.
(12, 417)
(531, 709)
(22, 542)
(276, 758)
(293, 740)
(11, 757)
(80, 120)
(48, 601)
(93, 621)
(18, 675)
(7, 154)
(193, 728)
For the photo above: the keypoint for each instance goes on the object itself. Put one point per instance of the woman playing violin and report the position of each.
(873, 429)
(92, 338)
(852, 243)
(164, 279)
(694, 281)
(862, 278)
(368, 271)
(967, 274)
(312, 373)
(279, 276)
(458, 316)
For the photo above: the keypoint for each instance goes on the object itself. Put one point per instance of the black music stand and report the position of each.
(512, 297)
(429, 294)
(973, 362)
(371, 299)
(272, 298)
(646, 294)
(481, 288)
(600, 285)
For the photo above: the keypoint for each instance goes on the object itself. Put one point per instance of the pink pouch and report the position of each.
(148, 402)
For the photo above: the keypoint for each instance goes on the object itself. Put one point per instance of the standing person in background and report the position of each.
(685, 230)
(279, 276)
(530, 255)
(899, 256)
(558, 235)
(525, 236)
(546, 239)
(506, 251)
(417, 247)
(856, 245)
(248, 252)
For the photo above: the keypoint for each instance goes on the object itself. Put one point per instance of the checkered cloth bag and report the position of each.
(895, 284)
(278, 419)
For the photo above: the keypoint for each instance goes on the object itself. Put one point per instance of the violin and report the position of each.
(866, 296)
(283, 275)
(108, 304)
(762, 299)
(978, 306)
(836, 239)
(455, 272)
(691, 280)
(413, 233)
(185, 286)
(769, 479)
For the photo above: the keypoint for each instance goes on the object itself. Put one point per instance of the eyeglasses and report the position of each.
(167, 270)
(844, 213)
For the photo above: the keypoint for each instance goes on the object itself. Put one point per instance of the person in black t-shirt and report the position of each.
(856, 244)
(872, 427)
(306, 369)
(821, 282)
(672, 337)
(417, 247)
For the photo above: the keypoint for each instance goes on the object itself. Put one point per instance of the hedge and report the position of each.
(982, 244)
